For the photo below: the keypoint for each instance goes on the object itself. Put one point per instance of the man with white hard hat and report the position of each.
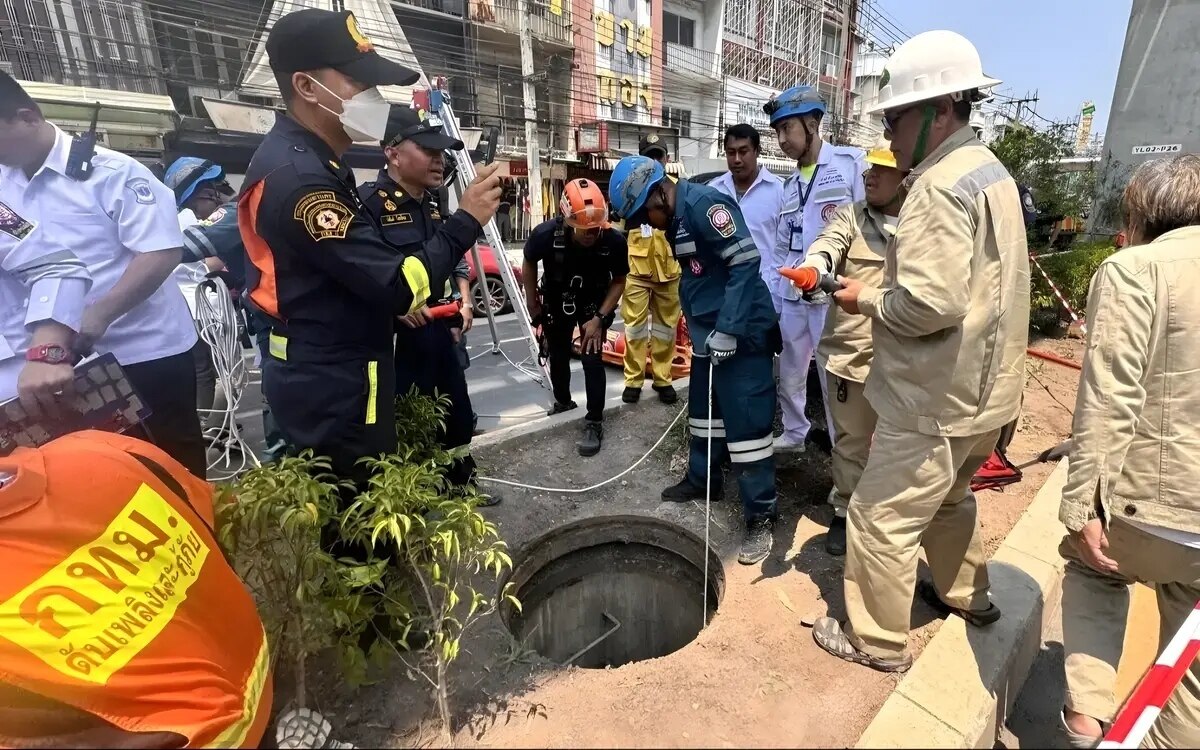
(950, 326)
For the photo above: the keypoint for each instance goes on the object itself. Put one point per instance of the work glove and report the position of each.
(720, 346)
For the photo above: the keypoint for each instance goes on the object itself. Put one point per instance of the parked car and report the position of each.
(501, 300)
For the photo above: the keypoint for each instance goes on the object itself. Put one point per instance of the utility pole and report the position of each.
(531, 132)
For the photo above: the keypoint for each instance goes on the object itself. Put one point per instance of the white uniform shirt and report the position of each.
(809, 206)
(189, 275)
(39, 282)
(761, 206)
(120, 210)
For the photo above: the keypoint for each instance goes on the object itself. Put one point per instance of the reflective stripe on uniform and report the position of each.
(746, 256)
(277, 346)
(662, 332)
(976, 181)
(748, 451)
(702, 428)
(637, 331)
(740, 246)
(265, 294)
(237, 733)
(417, 279)
(372, 390)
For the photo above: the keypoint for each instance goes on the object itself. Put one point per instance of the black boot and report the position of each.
(559, 408)
(631, 395)
(758, 542)
(685, 492)
(666, 393)
(835, 538)
(820, 438)
(593, 437)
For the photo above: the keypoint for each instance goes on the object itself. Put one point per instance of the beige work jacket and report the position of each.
(854, 245)
(1137, 415)
(951, 323)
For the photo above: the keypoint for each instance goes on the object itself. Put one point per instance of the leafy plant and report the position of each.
(1033, 158)
(270, 525)
(423, 560)
(1072, 273)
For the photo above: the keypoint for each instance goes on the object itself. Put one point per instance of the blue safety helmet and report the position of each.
(798, 100)
(631, 182)
(186, 173)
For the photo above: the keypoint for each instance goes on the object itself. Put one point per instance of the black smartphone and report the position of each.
(487, 144)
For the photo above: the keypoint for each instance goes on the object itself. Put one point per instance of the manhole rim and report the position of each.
(562, 540)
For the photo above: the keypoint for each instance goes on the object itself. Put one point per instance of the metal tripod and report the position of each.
(439, 102)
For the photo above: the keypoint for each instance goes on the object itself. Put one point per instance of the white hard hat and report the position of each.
(933, 64)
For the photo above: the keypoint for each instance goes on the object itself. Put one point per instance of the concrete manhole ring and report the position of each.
(607, 591)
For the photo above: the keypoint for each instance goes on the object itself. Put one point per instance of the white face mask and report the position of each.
(364, 116)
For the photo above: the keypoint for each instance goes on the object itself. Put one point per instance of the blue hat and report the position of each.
(186, 173)
(798, 100)
(631, 182)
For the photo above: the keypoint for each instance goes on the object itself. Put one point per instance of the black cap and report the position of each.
(651, 143)
(416, 125)
(312, 38)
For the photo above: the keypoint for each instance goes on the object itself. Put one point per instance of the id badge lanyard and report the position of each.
(803, 194)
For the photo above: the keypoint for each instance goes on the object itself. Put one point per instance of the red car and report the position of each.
(501, 303)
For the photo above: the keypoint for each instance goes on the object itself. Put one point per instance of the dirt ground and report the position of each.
(754, 677)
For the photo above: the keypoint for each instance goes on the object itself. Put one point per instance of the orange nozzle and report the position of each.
(447, 310)
(805, 278)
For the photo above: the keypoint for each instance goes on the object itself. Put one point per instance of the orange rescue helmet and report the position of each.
(583, 205)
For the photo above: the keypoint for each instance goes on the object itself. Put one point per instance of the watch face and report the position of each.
(50, 353)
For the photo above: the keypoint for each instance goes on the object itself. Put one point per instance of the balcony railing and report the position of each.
(549, 20)
(690, 61)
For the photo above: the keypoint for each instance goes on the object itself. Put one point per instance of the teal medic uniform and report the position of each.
(722, 290)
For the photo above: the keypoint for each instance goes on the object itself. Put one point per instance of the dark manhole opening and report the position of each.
(608, 591)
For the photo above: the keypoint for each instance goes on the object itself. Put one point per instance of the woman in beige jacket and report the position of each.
(1130, 503)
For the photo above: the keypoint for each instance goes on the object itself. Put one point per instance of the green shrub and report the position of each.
(1072, 273)
(423, 547)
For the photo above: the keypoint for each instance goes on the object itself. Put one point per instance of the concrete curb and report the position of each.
(964, 684)
(540, 425)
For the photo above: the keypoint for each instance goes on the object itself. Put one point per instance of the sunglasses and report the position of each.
(892, 119)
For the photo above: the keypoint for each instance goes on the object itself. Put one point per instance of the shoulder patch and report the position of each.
(140, 187)
(323, 215)
(13, 225)
(721, 220)
(829, 211)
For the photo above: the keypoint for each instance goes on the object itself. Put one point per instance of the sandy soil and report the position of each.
(754, 677)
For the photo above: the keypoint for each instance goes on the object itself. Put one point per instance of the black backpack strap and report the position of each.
(173, 485)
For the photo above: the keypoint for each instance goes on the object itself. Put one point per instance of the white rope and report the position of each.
(575, 491)
(707, 493)
(218, 324)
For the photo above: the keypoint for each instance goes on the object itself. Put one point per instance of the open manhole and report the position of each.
(608, 591)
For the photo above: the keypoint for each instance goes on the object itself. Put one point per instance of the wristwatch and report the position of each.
(51, 354)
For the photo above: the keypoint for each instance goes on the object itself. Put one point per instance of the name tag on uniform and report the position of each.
(797, 243)
(12, 224)
(389, 219)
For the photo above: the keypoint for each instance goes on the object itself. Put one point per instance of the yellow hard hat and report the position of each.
(882, 155)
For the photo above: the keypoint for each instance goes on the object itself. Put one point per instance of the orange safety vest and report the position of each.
(115, 598)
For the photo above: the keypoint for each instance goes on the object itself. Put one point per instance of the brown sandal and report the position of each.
(828, 634)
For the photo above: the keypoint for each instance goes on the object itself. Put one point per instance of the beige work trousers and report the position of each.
(915, 492)
(853, 420)
(1095, 608)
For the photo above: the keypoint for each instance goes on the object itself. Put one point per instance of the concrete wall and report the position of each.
(1156, 101)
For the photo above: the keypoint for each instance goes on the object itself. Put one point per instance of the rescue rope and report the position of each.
(218, 322)
(610, 480)
(1138, 715)
(707, 493)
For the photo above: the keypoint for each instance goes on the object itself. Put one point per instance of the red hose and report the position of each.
(1053, 358)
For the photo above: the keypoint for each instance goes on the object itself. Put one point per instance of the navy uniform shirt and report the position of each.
(411, 223)
(597, 266)
(318, 265)
(721, 288)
